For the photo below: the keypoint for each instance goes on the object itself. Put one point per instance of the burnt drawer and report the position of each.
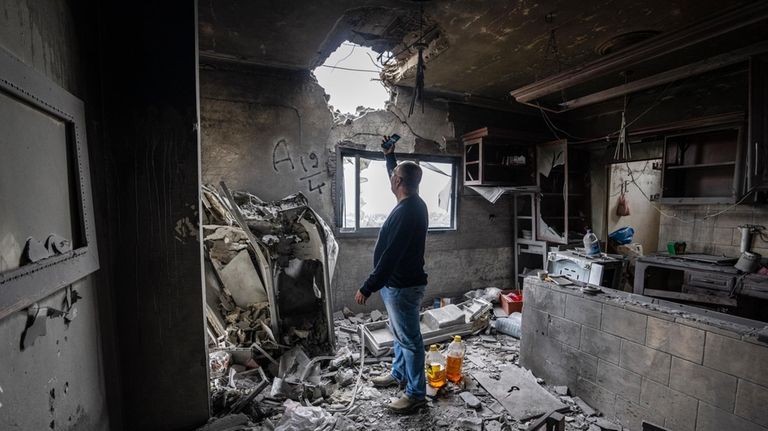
(710, 280)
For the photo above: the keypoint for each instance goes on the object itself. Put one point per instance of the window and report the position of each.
(365, 199)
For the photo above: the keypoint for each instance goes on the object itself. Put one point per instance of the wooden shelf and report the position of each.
(702, 165)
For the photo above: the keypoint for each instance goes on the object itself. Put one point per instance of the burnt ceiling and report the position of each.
(482, 48)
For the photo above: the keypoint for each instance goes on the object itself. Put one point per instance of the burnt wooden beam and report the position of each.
(721, 23)
(693, 69)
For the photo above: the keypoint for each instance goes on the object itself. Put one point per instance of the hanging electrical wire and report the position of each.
(623, 152)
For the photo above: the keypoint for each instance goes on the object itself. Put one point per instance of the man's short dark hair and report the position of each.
(410, 172)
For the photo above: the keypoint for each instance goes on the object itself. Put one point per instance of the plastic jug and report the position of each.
(435, 367)
(510, 325)
(591, 244)
(454, 359)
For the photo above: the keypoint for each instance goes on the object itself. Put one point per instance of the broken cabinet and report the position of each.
(563, 207)
(703, 166)
(499, 158)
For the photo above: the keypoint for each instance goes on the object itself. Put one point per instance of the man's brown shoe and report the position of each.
(406, 405)
(386, 381)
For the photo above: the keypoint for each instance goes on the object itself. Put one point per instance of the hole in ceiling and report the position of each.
(351, 77)
(624, 40)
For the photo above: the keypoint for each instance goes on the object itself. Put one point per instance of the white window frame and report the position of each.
(344, 152)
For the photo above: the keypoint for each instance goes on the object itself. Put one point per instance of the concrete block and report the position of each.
(578, 363)
(679, 340)
(645, 361)
(564, 330)
(643, 309)
(737, 357)
(624, 323)
(601, 344)
(711, 418)
(584, 311)
(631, 415)
(752, 402)
(538, 350)
(619, 381)
(678, 409)
(714, 387)
(534, 321)
(545, 299)
(597, 397)
(720, 329)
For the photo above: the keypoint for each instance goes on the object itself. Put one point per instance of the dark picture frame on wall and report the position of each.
(47, 232)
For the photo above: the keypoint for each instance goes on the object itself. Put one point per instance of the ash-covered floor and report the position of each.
(488, 354)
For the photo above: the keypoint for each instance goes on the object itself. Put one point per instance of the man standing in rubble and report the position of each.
(398, 273)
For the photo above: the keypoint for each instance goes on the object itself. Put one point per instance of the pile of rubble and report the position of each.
(280, 360)
(334, 392)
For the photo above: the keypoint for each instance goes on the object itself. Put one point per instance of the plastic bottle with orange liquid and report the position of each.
(455, 359)
(435, 367)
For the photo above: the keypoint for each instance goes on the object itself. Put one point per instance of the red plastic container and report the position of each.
(511, 300)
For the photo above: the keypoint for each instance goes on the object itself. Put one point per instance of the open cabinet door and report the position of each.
(552, 181)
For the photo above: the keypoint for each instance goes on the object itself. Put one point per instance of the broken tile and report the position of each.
(376, 315)
(470, 400)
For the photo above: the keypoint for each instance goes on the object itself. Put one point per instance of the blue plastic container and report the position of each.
(622, 236)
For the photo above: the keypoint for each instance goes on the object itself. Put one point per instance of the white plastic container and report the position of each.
(591, 244)
(510, 325)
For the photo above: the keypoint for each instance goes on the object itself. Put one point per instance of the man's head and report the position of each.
(406, 178)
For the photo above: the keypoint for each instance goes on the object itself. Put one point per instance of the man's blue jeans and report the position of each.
(403, 305)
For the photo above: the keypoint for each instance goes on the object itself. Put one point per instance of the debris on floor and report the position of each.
(334, 392)
(280, 359)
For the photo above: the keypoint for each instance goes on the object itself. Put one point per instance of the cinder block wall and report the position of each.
(635, 359)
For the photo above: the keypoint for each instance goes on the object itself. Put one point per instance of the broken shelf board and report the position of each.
(530, 401)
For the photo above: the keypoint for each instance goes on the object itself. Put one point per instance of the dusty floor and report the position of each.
(486, 352)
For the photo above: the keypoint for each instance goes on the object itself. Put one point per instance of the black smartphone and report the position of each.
(391, 141)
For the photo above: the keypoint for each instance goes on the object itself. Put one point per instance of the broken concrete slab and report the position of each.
(240, 278)
(376, 315)
(561, 390)
(470, 423)
(517, 390)
(606, 425)
(443, 317)
(585, 408)
(471, 400)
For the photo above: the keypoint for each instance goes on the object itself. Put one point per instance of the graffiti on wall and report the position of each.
(310, 171)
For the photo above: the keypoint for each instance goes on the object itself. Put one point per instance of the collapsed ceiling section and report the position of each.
(480, 48)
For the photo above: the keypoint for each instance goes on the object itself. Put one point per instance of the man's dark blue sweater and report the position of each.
(398, 258)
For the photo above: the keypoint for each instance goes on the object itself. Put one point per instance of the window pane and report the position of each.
(376, 198)
(349, 193)
(437, 192)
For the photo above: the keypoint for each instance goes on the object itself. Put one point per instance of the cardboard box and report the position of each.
(511, 306)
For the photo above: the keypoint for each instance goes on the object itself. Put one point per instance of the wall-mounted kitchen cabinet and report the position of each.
(703, 166)
(496, 157)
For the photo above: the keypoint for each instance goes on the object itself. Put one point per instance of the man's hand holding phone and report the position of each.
(388, 143)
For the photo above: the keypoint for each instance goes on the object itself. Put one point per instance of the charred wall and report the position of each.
(270, 131)
(720, 92)
(59, 381)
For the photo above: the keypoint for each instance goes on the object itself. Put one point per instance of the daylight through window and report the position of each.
(367, 199)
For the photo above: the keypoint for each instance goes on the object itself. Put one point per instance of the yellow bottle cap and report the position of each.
(457, 338)
(433, 348)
